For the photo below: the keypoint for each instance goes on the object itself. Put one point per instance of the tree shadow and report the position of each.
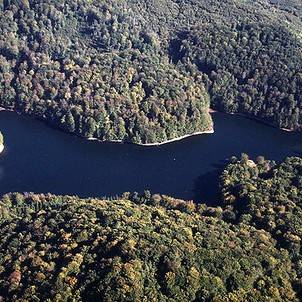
(297, 153)
(206, 187)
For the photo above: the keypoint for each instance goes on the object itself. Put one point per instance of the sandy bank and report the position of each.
(148, 144)
(1, 148)
(286, 129)
(155, 144)
(179, 138)
(4, 109)
(211, 111)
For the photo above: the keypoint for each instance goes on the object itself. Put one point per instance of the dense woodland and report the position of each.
(147, 71)
(144, 72)
(92, 69)
(255, 69)
(156, 248)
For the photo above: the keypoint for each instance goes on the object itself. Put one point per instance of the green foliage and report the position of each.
(144, 71)
(157, 248)
(94, 69)
(253, 68)
(137, 248)
(269, 197)
(147, 71)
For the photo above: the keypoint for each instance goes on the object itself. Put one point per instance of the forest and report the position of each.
(149, 247)
(144, 72)
(148, 71)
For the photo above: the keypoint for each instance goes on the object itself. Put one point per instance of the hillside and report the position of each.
(156, 248)
(148, 71)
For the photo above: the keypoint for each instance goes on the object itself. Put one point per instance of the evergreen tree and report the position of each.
(70, 123)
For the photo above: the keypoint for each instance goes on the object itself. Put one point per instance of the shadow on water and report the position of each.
(206, 187)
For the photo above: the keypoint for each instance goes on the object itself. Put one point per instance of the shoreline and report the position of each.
(211, 111)
(153, 144)
(1, 145)
(254, 118)
(262, 121)
(9, 110)
(179, 138)
(211, 131)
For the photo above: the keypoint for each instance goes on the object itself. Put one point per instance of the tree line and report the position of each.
(133, 71)
(149, 247)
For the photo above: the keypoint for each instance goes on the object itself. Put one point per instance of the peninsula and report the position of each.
(119, 78)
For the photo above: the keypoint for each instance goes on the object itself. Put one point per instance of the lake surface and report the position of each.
(40, 159)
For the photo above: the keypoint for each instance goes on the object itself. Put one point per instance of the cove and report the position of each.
(40, 159)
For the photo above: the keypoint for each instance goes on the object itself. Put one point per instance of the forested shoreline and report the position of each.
(147, 72)
(178, 138)
(151, 247)
(134, 72)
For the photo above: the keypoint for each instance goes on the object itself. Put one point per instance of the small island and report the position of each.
(1, 142)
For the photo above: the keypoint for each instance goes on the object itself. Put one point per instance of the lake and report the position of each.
(38, 158)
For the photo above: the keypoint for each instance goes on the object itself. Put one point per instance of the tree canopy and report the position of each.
(147, 71)
(157, 248)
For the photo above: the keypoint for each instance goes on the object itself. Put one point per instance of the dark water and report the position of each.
(40, 159)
